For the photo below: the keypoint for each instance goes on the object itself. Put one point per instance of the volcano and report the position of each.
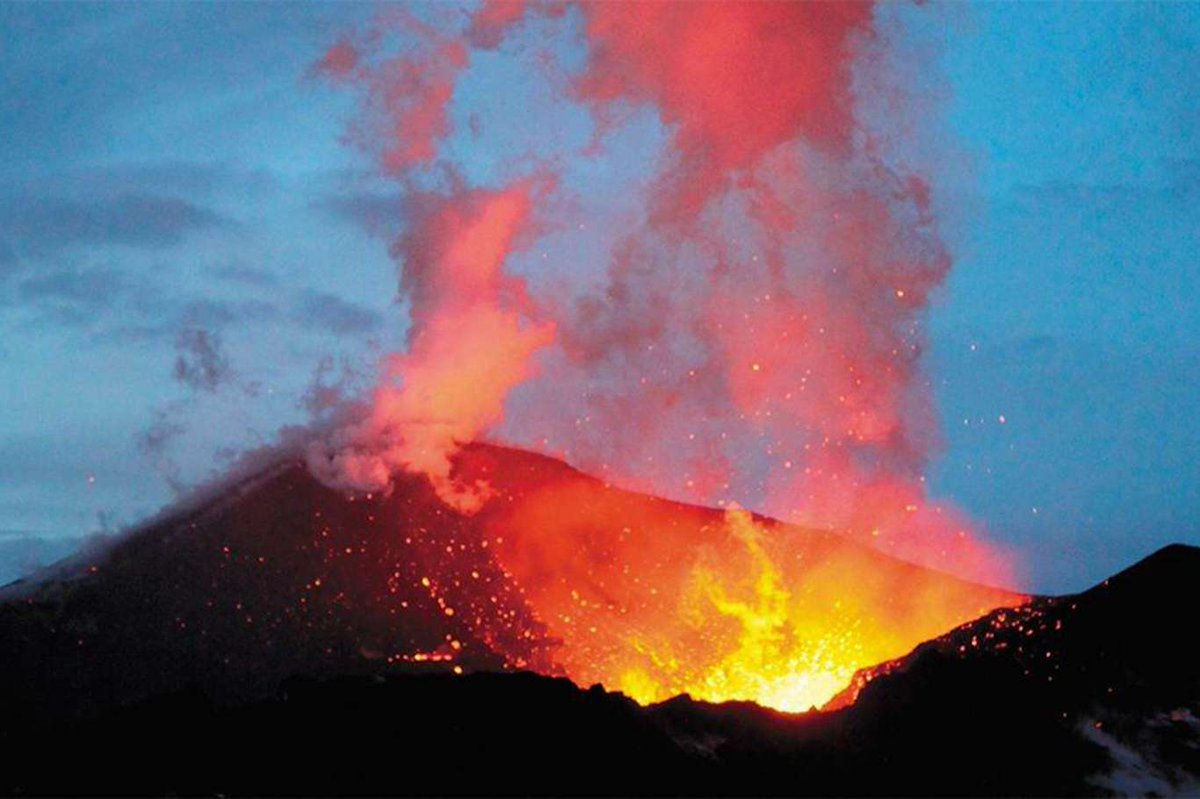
(280, 636)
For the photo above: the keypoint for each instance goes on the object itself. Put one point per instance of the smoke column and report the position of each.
(471, 339)
(757, 339)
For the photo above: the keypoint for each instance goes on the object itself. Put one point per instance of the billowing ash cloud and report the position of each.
(470, 344)
(757, 339)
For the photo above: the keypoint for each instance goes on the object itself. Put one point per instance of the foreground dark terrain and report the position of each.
(252, 644)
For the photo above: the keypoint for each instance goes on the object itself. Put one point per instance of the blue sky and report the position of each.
(174, 167)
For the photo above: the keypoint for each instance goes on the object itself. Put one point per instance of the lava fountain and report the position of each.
(753, 338)
(657, 598)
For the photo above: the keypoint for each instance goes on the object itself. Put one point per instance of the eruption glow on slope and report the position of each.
(756, 339)
(658, 599)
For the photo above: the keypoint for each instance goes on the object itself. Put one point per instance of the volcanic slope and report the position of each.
(981, 710)
(281, 576)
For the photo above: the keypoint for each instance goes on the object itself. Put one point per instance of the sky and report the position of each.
(188, 246)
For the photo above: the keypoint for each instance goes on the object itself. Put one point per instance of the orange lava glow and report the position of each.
(656, 598)
(755, 332)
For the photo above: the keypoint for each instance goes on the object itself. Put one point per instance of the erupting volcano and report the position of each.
(558, 572)
(654, 598)
(641, 476)
(754, 342)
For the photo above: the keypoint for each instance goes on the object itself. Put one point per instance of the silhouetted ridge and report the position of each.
(1168, 573)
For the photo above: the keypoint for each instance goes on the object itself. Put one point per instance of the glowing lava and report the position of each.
(657, 598)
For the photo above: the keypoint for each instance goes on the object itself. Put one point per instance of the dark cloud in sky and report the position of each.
(200, 362)
(164, 320)
(308, 309)
(44, 225)
(91, 286)
(73, 295)
(195, 180)
(188, 178)
(244, 275)
(318, 310)
(213, 313)
(65, 252)
(377, 213)
(125, 306)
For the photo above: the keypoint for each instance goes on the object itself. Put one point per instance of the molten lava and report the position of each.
(656, 598)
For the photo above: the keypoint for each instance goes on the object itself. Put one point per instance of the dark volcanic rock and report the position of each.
(201, 655)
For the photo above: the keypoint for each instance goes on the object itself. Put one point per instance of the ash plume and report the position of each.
(757, 339)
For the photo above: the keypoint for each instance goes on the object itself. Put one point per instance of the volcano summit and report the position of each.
(560, 573)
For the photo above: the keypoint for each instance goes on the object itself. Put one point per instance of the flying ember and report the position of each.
(748, 335)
